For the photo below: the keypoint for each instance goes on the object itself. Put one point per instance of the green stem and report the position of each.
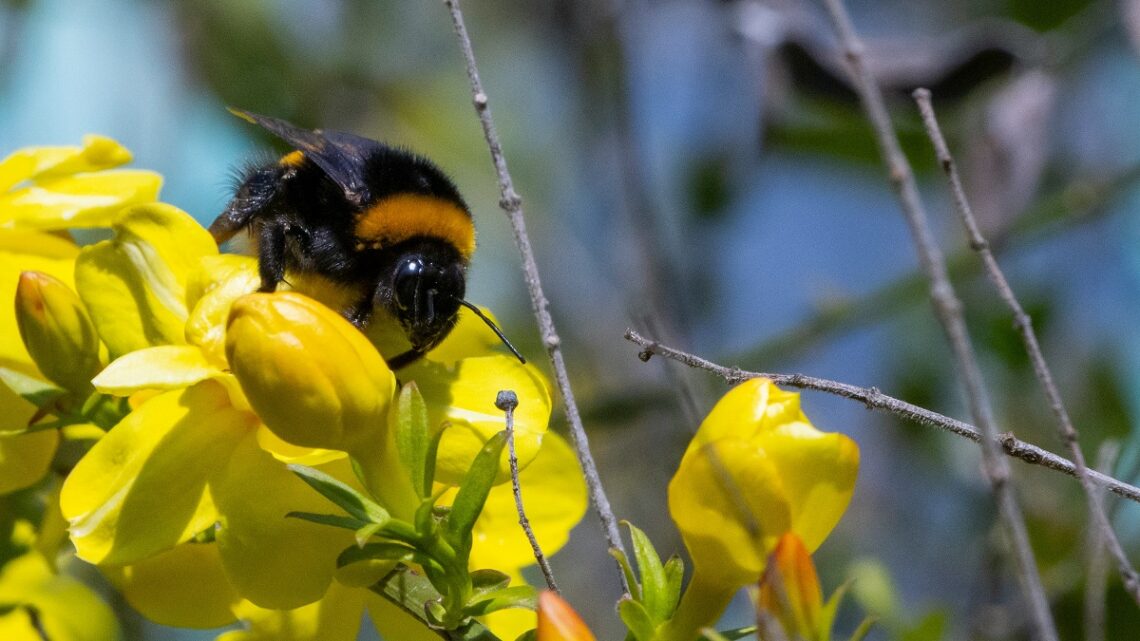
(701, 605)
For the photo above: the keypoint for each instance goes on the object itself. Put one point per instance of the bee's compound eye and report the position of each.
(409, 277)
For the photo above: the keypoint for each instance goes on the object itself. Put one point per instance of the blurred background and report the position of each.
(702, 172)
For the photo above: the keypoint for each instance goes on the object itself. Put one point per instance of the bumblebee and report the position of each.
(353, 220)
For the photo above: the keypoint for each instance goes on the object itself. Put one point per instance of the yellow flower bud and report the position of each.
(755, 470)
(312, 377)
(57, 331)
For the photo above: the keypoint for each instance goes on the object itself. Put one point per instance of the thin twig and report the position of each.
(948, 309)
(1096, 579)
(873, 399)
(507, 401)
(511, 204)
(1024, 325)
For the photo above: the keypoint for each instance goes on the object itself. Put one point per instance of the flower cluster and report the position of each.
(192, 399)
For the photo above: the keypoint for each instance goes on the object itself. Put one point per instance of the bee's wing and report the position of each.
(341, 155)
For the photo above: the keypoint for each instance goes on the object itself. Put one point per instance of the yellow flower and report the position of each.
(36, 604)
(755, 470)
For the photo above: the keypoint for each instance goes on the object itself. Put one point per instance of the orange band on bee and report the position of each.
(292, 159)
(403, 216)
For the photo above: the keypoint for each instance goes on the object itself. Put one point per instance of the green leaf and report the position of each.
(411, 592)
(728, 635)
(865, 627)
(654, 584)
(627, 570)
(519, 596)
(366, 532)
(335, 520)
(931, 627)
(473, 493)
(674, 576)
(381, 551)
(529, 635)
(33, 390)
(414, 443)
(487, 580)
(829, 610)
(636, 619)
(348, 499)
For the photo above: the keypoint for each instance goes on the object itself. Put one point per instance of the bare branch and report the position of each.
(507, 401)
(1024, 326)
(873, 399)
(511, 204)
(948, 309)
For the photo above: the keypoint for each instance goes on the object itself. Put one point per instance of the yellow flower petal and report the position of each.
(56, 199)
(66, 609)
(163, 367)
(818, 473)
(25, 458)
(462, 396)
(274, 561)
(336, 617)
(183, 587)
(32, 163)
(313, 378)
(134, 285)
(142, 488)
(211, 291)
(554, 496)
(80, 200)
(728, 501)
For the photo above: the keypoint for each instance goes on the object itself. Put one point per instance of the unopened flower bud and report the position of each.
(57, 332)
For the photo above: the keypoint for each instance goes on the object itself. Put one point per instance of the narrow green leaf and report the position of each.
(636, 619)
(411, 592)
(335, 520)
(864, 628)
(830, 609)
(366, 532)
(519, 596)
(412, 437)
(529, 635)
(627, 570)
(674, 575)
(473, 494)
(728, 635)
(341, 494)
(385, 551)
(33, 390)
(654, 584)
(487, 580)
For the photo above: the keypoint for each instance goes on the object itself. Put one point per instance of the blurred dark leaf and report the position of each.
(1044, 15)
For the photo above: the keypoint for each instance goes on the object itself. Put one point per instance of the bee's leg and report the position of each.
(360, 313)
(271, 255)
(405, 359)
(255, 196)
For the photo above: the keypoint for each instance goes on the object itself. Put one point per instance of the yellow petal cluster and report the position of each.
(183, 502)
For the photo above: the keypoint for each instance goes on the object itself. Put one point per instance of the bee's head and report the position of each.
(425, 292)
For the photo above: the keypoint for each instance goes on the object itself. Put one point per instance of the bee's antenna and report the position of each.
(494, 328)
